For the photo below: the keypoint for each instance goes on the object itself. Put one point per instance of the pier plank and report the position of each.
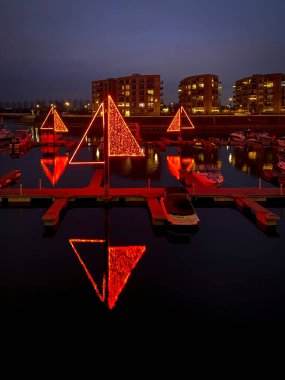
(51, 217)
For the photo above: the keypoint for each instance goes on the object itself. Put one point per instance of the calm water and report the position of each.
(109, 265)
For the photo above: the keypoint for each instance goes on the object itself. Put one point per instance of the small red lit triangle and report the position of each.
(57, 125)
(175, 125)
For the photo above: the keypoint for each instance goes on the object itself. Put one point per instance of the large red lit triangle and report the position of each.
(57, 125)
(121, 140)
(175, 125)
(71, 161)
(121, 261)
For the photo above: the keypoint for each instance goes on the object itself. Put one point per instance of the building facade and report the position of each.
(260, 94)
(135, 95)
(200, 94)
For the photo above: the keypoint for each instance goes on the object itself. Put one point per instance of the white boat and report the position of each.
(237, 138)
(208, 174)
(178, 209)
(265, 138)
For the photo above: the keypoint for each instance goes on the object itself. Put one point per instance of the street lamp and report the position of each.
(67, 105)
(230, 101)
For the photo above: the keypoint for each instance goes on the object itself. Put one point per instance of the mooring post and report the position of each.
(281, 188)
(148, 183)
(21, 189)
(259, 183)
(40, 183)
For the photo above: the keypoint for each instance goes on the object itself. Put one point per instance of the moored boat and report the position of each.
(178, 209)
(208, 174)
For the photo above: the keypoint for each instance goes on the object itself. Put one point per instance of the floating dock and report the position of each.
(244, 199)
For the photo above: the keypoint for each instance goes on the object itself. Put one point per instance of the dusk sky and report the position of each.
(54, 49)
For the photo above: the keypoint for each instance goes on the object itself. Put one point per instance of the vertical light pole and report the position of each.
(230, 102)
(106, 151)
(67, 105)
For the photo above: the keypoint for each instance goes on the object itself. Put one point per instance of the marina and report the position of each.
(66, 217)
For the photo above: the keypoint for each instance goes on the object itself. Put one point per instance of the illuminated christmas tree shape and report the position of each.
(121, 140)
(121, 262)
(175, 125)
(58, 164)
(56, 125)
(71, 161)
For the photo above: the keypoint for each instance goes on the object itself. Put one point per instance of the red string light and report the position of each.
(57, 125)
(121, 140)
(175, 125)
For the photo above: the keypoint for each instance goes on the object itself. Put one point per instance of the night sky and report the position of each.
(54, 49)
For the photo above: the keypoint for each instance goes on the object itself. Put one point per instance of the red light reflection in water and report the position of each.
(71, 161)
(54, 167)
(120, 264)
(175, 164)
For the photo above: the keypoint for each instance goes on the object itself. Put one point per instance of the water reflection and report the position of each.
(54, 167)
(148, 166)
(107, 267)
(261, 162)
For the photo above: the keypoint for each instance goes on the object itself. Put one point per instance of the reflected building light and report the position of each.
(155, 157)
(230, 158)
(252, 155)
(244, 168)
(97, 153)
(267, 166)
(201, 157)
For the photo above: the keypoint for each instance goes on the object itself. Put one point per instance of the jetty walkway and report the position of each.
(244, 199)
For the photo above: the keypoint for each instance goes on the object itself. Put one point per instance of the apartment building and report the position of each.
(200, 94)
(135, 95)
(260, 94)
